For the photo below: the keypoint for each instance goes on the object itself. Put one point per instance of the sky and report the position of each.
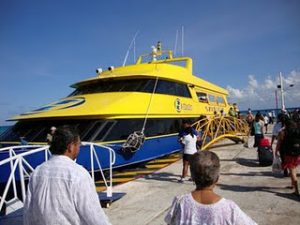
(47, 45)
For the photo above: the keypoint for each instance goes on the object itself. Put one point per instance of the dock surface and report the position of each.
(265, 198)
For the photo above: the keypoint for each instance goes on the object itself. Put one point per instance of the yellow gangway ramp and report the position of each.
(216, 128)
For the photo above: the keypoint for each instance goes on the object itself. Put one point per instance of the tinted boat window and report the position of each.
(123, 128)
(36, 131)
(172, 88)
(140, 85)
(94, 130)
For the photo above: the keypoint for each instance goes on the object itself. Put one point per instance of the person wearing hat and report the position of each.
(50, 135)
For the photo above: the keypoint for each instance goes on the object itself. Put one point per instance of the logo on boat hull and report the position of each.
(62, 104)
(177, 105)
(182, 106)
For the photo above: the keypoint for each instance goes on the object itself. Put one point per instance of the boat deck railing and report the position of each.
(216, 128)
(20, 168)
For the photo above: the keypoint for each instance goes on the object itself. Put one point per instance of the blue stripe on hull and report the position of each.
(151, 149)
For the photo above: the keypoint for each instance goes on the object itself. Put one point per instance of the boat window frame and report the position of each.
(203, 94)
(222, 102)
(212, 99)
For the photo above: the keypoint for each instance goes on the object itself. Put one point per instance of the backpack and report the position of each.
(292, 142)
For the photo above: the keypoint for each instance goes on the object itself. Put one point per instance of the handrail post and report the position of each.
(46, 153)
(109, 188)
(11, 169)
(22, 181)
(92, 161)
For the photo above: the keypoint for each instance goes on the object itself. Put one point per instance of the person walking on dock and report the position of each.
(258, 129)
(289, 144)
(61, 191)
(188, 138)
(203, 206)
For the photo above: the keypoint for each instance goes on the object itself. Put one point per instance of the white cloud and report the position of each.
(262, 94)
(252, 81)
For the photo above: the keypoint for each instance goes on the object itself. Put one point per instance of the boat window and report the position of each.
(220, 100)
(124, 127)
(172, 88)
(90, 133)
(137, 85)
(202, 97)
(94, 130)
(36, 131)
(104, 131)
(211, 98)
(140, 85)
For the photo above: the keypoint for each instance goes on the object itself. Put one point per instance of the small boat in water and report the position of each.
(135, 109)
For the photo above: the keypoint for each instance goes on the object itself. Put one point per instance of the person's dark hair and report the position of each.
(258, 116)
(62, 137)
(187, 121)
(205, 168)
(279, 117)
(189, 130)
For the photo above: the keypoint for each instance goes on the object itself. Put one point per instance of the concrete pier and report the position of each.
(265, 198)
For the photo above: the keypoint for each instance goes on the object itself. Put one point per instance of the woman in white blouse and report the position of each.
(203, 206)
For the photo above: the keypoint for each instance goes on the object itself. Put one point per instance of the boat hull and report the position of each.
(151, 149)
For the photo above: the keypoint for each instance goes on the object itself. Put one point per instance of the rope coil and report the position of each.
(133, 142)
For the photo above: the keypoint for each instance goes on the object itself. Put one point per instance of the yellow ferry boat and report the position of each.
(148, 99)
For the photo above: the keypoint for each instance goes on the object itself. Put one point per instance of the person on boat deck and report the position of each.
(50, 135)
(189, 141)
(61, 191)
(203, 206)
(231, 112)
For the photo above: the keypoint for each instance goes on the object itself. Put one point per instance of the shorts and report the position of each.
(187, 157)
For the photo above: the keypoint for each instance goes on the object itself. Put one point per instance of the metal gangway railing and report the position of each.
(215, 128)
(17, 161)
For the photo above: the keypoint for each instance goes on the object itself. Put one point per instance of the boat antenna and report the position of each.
(128, 50)
(176, 40)
(182, 40)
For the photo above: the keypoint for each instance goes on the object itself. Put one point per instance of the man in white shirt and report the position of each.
(61, 191)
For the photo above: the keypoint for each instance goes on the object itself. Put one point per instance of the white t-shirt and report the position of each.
(266, 120)
(186, 211)
(189, 144)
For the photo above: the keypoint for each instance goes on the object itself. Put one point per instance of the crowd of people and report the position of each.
(287, 133)
(288, 146)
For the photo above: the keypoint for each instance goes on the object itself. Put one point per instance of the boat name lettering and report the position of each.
(213, 109)
(187, 106)
(181, 106)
